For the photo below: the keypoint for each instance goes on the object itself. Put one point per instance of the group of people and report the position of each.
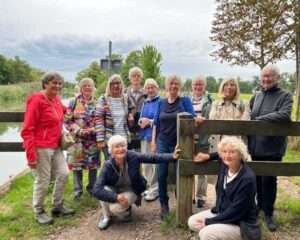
(109, 124)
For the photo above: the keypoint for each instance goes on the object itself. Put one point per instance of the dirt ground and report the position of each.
(146, 224)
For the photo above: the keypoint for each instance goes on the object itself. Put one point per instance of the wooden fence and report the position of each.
(187, 168)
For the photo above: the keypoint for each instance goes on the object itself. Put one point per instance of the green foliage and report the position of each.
(252, 31)
(94, 72)
(133, 59)
(17, 70)
(151, 62)
(211, 84)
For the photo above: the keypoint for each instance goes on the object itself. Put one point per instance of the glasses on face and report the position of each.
(55, 82)
(115, 83)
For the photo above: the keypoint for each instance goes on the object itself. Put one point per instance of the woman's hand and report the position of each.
(122, 200)
(201, 157)
(144, 122)
(200, 223)
(153, 147)
(199, 119)
(176, 153)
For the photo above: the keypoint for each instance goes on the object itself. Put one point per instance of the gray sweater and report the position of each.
(274, 105)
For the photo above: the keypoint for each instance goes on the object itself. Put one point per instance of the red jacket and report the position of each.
(42, 125)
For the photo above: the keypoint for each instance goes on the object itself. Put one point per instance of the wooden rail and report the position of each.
(187, 168)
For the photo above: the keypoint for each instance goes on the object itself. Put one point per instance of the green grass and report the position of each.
(16, 216)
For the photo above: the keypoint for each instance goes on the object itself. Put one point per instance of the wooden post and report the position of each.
(185, 139)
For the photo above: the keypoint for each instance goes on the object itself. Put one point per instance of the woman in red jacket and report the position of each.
(41, 134)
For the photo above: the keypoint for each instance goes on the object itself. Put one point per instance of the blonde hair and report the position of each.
(114, 140)
(237, 144)
(116, 77)
(134, 70)
(226, 80)
(151, 81)
(172, 77)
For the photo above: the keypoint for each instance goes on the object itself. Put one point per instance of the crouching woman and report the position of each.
(120, 183)
(234, 216)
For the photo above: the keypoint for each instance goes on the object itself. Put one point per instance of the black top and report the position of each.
(236, 202)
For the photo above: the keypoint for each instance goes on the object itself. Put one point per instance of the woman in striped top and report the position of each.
(112, 115)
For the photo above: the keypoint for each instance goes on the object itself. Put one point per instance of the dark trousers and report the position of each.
(266, 189)
(77, 180)
(162, 171)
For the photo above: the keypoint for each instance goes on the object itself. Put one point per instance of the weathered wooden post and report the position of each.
(185, 139)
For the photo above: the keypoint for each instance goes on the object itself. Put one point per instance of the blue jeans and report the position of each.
(162, 171)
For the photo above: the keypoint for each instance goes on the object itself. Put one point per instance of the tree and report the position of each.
(133, 59)
(94, 72)
(211, 84)
(252, 31)
(151, 62)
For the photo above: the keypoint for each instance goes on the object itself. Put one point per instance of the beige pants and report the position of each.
(51, 163)
(201, 187)
(149, 171)
(109, 209)
(214, 231)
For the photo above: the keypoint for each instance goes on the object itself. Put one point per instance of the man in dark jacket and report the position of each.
(270, 104)
(120, 183)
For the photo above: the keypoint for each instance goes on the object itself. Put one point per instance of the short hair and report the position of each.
(199, 78)
(114, 140)
(134, 70)
(89, 80)
(152, 82)
(226, 80)
(49, 76)
(274, 68)
(112, 78)
(238, 144)
(172, 77)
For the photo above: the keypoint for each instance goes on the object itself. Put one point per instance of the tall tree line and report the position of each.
(16, 70)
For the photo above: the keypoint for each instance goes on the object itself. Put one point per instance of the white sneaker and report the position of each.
(151, 197)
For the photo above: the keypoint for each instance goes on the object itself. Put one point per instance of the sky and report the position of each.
(67, 35)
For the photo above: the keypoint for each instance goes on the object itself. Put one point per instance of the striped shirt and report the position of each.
(119, 116)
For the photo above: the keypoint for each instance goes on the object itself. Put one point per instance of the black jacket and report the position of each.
(109, 174)
(236, 203)
(273, 105)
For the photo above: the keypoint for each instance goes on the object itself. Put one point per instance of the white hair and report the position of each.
(237, 144)
(134, 70)
(199, 78)
(274, 68)
(114, 140)
(151, 81)
(86, 80)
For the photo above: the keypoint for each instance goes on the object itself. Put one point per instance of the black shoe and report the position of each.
(43, 218)
(271, 223)
(126, 216)
(64, 211)
(104, 223)
(200, 203)
(164, 211)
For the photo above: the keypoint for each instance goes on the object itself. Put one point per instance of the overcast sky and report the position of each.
(66, 35)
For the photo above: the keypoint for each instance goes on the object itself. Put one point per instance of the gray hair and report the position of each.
(134, 70)
(49, 76)
(172, 77)
(112, 78)
(151, 81)
(226, 80)
(114, 140)
(274, 68)
(87, 80)
(199, 78)
(237, 144)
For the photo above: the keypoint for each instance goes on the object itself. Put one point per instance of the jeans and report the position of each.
(162, 171)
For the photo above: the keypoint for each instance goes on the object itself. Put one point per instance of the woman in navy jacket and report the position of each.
(120, 182)
(235, 210)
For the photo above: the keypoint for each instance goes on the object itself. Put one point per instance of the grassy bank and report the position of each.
(16, 217)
